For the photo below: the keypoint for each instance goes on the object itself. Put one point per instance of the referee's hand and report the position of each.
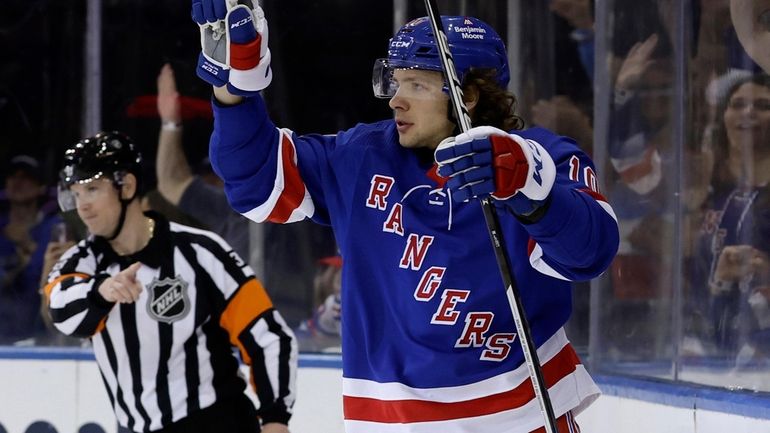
(124, 287)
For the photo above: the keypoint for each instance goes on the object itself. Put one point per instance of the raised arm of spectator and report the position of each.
(171, 165)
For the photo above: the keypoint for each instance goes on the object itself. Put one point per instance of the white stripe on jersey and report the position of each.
(537, 262)
(305, 210)
(69, 296)
(536, 256)
(217, 273)
(269, 342)
(520, 419)
(607, 208)
(494, 385)
(206, 394)
(68, 326)
(525, 418)
(575, 391)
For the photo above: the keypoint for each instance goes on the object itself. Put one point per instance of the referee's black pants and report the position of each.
(234, 415)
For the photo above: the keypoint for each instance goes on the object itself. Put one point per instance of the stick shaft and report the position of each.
(495, 233)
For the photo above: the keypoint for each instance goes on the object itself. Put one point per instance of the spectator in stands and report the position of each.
(25, 229)
(747, 268)
(322, 331)
(178, 184)
(644, 190)
(641, 151)
(579, 15)
(198, 195)
(727, 235)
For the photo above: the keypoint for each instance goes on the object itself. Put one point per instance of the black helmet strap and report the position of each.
(124, 202)
(121, 220)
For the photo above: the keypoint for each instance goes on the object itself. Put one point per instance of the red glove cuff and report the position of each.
(510, 166)
(245, 56)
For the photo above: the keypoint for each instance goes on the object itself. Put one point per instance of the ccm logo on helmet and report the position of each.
(400, 44)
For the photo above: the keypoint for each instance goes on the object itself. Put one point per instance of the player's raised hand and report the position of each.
(123, 287)
(234, 49)
(212, 61)
(208, 11)
(487, 161)
(249, 56)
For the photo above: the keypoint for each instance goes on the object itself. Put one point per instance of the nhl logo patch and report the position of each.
(168, 300)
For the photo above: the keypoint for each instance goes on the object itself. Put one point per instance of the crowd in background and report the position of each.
(35, 233)
(695, 216)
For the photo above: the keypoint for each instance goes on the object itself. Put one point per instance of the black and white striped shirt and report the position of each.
(171, 352)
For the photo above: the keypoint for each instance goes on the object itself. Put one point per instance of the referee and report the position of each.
(164, 304)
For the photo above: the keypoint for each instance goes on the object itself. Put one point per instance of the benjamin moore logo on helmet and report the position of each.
(472, 43)
(470, 31)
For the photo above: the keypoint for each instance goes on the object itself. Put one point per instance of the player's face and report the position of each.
(420, 108)
(747, 121)
(97, 205)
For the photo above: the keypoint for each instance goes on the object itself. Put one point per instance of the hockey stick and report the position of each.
(495, 233)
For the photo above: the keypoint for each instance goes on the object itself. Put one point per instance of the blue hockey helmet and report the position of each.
(472, 42)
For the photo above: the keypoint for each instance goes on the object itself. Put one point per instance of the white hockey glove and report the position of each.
(486, 161)
(249, 56)
(212, 61)
(234, 37)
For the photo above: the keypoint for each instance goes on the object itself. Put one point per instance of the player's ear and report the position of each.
(471, 96)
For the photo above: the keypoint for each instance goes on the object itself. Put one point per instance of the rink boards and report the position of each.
(60, 390)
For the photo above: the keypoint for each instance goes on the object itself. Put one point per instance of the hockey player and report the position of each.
(429, 342)
(163, 305)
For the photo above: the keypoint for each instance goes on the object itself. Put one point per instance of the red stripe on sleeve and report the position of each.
(594, 194)
(293, 188)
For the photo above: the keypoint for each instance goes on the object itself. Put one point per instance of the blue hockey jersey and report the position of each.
(429, 343)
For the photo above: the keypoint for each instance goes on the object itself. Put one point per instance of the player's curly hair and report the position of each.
(496, 106)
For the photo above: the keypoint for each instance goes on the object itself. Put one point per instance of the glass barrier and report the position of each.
(685, 298)
(671, 100)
